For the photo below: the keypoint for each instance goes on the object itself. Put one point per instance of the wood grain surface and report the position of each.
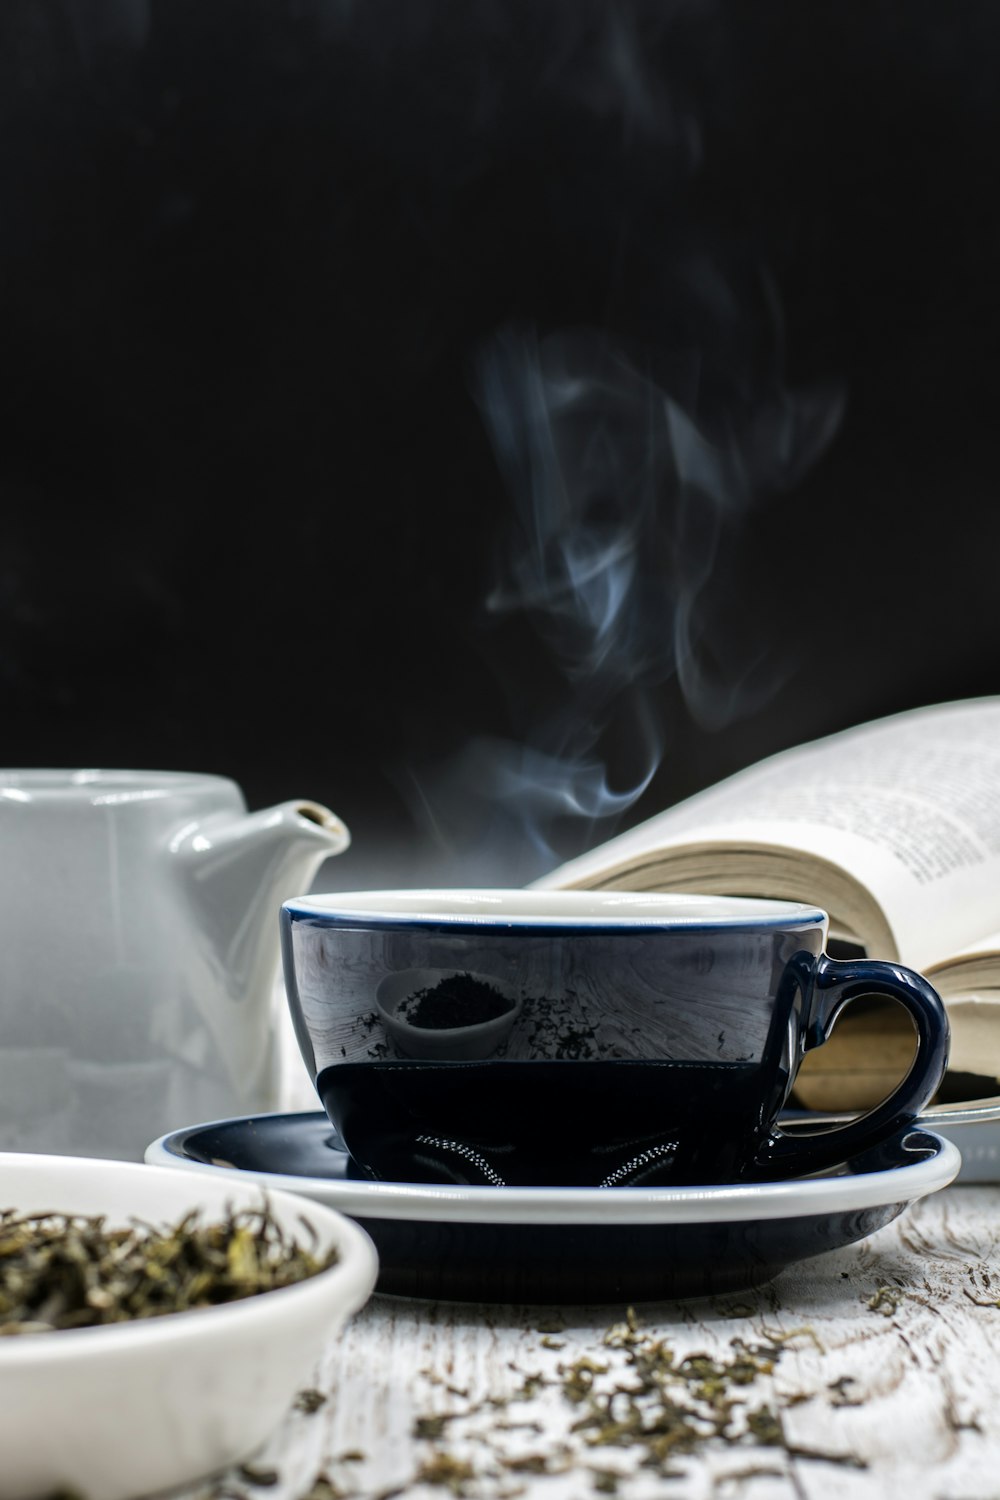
(887, 1383)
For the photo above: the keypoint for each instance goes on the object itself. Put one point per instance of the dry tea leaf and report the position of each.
(886, 1300)
(309, 1401)
(431, 1428)
(443, 1469)
(61, 1271)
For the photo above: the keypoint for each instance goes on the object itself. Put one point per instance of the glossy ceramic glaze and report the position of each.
(109, 1413)
(648, 1038)
(138, 947)
(573, 1244)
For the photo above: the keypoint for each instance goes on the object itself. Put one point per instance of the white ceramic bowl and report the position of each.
(124, 1410)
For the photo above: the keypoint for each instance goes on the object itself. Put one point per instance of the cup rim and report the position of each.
(538, 910)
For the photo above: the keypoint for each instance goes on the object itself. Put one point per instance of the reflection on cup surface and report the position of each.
(456, 1015)
(570, 1123)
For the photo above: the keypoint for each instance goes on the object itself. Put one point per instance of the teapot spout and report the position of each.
(239, 868)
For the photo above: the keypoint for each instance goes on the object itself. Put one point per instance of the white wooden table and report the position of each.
(885, 1379)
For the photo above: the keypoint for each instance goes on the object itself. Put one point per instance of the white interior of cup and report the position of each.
(557, 908)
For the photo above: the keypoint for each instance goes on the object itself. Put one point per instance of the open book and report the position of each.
(893, 828)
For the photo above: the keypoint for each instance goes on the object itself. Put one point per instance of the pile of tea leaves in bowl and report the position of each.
(60, 1271)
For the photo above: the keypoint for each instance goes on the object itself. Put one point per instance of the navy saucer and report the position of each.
(573, 1245)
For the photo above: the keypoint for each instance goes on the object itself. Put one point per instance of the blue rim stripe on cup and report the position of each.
(683, 912)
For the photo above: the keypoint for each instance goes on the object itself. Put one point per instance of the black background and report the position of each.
(249, 256)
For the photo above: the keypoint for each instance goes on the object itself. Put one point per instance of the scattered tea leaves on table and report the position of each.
(631, 1407)
(639, 1396)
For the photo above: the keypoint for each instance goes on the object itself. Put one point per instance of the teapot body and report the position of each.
(120, 1016)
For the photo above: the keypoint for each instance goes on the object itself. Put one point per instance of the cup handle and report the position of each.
(834, 982)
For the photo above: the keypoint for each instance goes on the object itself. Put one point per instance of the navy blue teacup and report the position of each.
(581, 1038)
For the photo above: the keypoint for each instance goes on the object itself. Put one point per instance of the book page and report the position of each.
(975, 967)
(975, 1034)
(910, 806)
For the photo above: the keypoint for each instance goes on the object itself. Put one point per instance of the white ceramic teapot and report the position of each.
(138, 952)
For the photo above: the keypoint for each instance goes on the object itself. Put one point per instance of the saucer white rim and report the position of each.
(726, 1203)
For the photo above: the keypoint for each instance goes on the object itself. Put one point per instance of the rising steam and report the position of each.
(620, 496)
(633, 457)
